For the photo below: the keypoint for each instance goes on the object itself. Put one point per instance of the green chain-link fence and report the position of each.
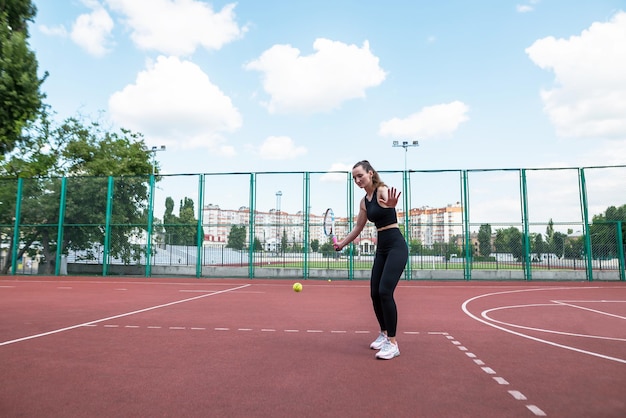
(519, 224)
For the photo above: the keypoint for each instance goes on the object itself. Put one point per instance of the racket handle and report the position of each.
(334, 240)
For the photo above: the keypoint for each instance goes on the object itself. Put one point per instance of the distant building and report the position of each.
(428, 225)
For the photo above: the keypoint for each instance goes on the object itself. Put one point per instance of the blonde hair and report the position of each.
(376, 181)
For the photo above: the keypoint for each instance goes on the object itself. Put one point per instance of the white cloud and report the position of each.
(92, 31)
(431, 122)
(178, 27)
(336, 177)
(173, 102)
(58, 30)
(280, 148)
(336, 72)
(588, 99)
(525, 8)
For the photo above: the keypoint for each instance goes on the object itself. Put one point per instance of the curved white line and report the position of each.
(519, 334)
(485, 314)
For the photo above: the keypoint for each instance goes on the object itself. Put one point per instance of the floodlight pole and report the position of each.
(153, 151)
(279, 194)
(405, 145)
(407, 199)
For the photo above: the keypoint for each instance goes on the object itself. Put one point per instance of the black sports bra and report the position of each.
(379, 215)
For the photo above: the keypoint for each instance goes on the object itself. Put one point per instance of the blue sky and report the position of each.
(318, 85)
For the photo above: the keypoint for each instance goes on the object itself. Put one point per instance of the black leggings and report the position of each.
(391, 257)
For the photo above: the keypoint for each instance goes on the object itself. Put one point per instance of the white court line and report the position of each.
(485, 314)
(30, 337)
(570, 304)
(519, 334)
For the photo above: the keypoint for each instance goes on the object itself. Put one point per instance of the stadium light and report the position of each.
(153, 151)
(405, 145)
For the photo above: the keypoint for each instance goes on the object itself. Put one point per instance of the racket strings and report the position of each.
(328, 222)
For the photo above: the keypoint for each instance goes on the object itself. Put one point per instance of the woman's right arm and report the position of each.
(361, 220)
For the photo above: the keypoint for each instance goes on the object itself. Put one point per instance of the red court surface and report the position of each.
(114, 347)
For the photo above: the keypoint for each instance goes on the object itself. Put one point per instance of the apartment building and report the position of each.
(428, 225)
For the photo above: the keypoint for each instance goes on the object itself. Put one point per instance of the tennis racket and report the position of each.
(329, 225)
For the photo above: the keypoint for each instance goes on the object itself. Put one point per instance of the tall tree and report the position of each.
(19, 81)
(86, 154)
(189, 223)
(509, 240)
(181, 229)
(484, 240)
(237, 237)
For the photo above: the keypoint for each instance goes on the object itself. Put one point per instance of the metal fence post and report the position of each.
(620, 250)
(467, 266)
(16, 226)
(199, 229)
(306, 226)
(350, 208)
(585, 214)
(107, 228)
(57, 267)
(525, 226)
(251, 225)
(407, 229)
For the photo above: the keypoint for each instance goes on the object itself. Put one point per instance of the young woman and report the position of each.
(378, 206)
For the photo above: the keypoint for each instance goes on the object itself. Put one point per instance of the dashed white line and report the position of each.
(151, 308)
(517, 395)
(501, 380)
(535, 410)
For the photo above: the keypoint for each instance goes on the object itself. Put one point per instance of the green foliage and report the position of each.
(315, 245)
(484, 240)
(327, 249)
(415, 247)
(509, 241)
(181, 229)
(19, 83)
(603, 232)
(78, 151)
(283, 242)
(237, 237)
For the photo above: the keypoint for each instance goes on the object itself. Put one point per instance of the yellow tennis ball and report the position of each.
(297, 287)
(329, 280)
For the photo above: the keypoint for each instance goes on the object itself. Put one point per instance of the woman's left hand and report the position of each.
(392, 197)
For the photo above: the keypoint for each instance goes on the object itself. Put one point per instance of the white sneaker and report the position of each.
(389, 351)
(378, 343)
